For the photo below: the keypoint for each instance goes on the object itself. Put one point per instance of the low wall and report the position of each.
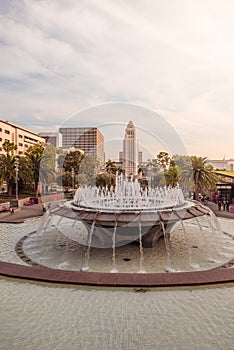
(51, 197)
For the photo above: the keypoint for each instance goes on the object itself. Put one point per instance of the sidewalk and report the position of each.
(21, 214)
(220, 213)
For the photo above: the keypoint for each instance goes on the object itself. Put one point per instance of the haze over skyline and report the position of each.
(175, 58)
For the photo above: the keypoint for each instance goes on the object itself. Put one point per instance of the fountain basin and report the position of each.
(154, 223)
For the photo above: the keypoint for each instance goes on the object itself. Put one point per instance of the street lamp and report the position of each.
(16, 181)
(73, 175)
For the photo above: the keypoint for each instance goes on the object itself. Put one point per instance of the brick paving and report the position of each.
(44, 274)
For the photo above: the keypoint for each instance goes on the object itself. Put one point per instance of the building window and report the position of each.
(0, 139)
(7, 132)
(20, 144)
(20, 152)
(0, 129)
(20, 136)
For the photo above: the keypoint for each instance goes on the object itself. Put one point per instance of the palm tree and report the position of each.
(9, 147)
(200, 173)
(111, 170)
(171, 175)
(39, 165)
(7, 171)
(7, 165)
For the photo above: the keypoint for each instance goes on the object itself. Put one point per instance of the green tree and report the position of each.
(201, 174)
(39, 164)
(60, 156)
(87, 171)
(102, 180)
(111, 170)
(7, 171)
(185, 179)
(66, 180)
(73, 160)
(7, 165)
(171, 175)
(25, 177)
(9, 147)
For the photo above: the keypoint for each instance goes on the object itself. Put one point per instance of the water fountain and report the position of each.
(128, 229)
(130, 205)
(138, 232)
(192, 250)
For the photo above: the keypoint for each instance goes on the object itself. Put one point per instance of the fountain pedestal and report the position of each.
(154, 224)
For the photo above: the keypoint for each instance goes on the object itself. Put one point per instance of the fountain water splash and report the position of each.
(128, 195)
(87, 254)
(114, 270)
(166, 241)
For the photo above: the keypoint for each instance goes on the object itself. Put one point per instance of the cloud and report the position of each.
(58, 57)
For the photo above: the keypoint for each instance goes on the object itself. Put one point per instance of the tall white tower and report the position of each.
(130, 150)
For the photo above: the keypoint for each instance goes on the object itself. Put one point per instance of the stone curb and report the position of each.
(44, 274)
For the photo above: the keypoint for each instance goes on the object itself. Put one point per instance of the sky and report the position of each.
(174, 58)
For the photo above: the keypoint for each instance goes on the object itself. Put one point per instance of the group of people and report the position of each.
(223, 205)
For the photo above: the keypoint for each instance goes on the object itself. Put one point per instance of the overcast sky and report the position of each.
(173, 57)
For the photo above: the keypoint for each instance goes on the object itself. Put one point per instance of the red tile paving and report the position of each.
(44, 274)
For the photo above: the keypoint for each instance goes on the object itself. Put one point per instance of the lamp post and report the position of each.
(73, 178)
(16, 179)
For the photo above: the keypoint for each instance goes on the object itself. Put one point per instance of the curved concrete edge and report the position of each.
(97, 279)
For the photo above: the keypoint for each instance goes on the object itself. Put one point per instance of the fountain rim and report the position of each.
(129, 280)
(185, 205)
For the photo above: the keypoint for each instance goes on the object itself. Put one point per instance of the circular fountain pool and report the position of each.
(205, 256)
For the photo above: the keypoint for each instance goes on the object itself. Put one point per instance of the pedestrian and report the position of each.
(224, 205)
(219, 205)
(12, 211)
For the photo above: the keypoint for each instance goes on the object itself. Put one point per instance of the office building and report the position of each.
(51, 138)
(89, 140)
(21, 137)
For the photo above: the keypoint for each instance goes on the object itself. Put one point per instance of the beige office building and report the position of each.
(89, 140)
(20, 136)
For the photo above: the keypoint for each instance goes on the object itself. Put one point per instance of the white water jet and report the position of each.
(87, 254)
(114, 270)
(128, 195)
